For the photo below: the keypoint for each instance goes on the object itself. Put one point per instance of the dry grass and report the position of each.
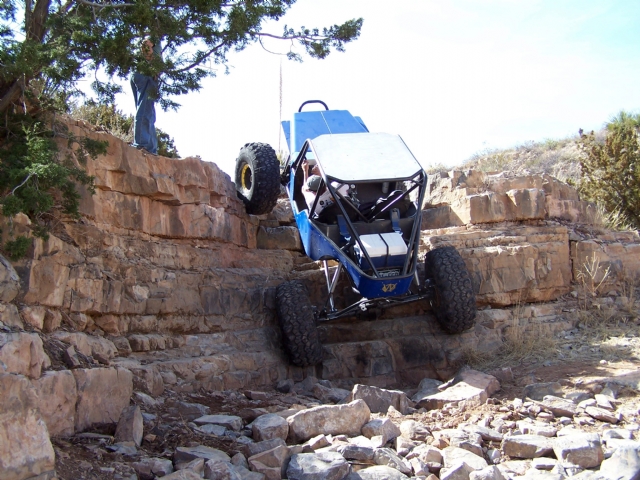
(606, 329)
(523, 341)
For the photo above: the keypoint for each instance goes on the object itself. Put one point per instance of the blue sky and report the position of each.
(451, 77)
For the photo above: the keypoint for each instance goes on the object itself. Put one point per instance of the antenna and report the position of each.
(280, 119)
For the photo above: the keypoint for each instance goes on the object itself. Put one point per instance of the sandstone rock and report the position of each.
(378, 472)
(9, 315)
(23, 353)
(271, 463)
(345, 419)
(526, 446)
(232, 422)
(490, 473)
(427, 454)
(581, 450)
(414, 431)
(318, 466)
(122, 345)
(218, 470)
(25, 449)
(188, 410)
(269, 426)
(102, 395)
(487, 434)
(252, 449)
(130, 426)
(279, 238)
(197, 465)
(329, 395)
(317, 442)
(57, 396)
(357, 452)
(70, 358)
(404, 446)
(187, 454)
(604, 401)
(537, 429)
(52, 321)
(468, 386)
(427, 387)
(453, 456)
(9, 281)
(33, 315)
(379, 399)
(383, 427)
(147, 467)
(542, 463)
(623, 464)
(386, 456)
(183, 475)
(559, 406)
(617, 433)
(601, 414)
(147, 379)
(537, 391)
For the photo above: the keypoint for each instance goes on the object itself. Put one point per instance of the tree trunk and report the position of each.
(36, 28)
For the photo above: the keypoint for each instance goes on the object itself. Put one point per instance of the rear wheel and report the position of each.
(299, 333)
(258, 177)
(454, 302)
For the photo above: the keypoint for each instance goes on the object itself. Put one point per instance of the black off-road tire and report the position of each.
(454, 303)
(258, 177)
(297, 322)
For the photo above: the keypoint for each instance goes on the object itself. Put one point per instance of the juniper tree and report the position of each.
(47, 46)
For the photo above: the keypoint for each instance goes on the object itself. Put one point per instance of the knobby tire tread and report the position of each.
(455, 302)
(265, 169)
(295, 315)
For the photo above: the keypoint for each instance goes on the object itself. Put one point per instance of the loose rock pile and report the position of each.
(311, 430)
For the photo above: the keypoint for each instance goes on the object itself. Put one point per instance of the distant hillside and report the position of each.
(558, 158)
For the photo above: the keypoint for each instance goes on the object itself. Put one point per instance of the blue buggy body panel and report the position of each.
(307, 125)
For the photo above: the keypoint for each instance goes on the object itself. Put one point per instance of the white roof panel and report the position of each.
(353, 157)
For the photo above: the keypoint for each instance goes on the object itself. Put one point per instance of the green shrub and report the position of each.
(16, 249)
(611, 169)
(113, 121)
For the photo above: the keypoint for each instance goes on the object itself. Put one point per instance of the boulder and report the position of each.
(9, 281)
(581, 450)
(381, 427)
(102, 395)
(526, 446)
(345, 419)
(318, 466)
(187, 454)
(57, 398)
(271, 463)
(269, 426)
(469, 386)
(23, 353)
(377, 472)
(232, 422)
(130, 426)
(379, 399)
(25, 448)
(622, 465)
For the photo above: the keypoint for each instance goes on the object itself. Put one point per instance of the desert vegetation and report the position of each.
(603, 165)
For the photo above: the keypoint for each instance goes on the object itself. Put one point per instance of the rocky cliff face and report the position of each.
(167, 282)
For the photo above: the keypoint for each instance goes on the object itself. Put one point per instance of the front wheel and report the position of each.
(297, 322)
(258, 178)
(454, 303)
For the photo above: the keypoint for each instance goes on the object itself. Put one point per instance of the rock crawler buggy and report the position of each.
(365, 216)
